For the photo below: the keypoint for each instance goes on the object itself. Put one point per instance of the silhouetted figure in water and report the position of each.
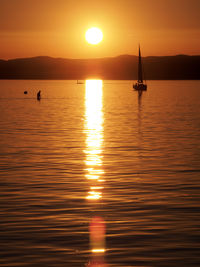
(39, 95)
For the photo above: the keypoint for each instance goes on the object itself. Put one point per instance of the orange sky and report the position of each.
(57, 27)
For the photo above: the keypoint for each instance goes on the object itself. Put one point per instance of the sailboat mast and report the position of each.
(140, 79)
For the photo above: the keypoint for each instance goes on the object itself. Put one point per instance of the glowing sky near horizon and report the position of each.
(57, 27)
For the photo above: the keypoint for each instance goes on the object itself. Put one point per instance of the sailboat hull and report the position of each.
(140, 87)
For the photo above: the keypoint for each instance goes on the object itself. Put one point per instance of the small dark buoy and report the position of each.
(39, 95)
(25, 92)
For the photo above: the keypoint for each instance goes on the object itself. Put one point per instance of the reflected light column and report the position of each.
(94, 138)
(93, 162)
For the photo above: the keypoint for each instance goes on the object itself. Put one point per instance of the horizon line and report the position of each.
(122, 55)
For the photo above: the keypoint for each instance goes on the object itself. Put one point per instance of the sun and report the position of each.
(94, 36)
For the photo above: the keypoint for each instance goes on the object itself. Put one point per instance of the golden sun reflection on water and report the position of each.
(94, 137)
(93, 161)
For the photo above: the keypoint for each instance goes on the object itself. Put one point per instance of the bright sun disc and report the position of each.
(94, 36)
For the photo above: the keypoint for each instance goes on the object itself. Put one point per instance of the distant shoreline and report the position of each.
(95, 78)
(124, 67)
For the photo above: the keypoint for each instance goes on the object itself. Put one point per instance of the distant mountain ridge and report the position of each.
(124, 67)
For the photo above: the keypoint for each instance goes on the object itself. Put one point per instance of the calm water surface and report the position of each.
(95, 175)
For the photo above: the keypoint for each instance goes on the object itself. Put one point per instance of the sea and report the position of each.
(97, 174)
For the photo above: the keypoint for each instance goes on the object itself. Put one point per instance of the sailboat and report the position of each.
(139, 85)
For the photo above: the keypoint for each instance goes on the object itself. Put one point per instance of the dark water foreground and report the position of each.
(94, 175)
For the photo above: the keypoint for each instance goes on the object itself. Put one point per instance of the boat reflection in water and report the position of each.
(94, 170)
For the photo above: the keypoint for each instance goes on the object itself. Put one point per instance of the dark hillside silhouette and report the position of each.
(120, 68)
